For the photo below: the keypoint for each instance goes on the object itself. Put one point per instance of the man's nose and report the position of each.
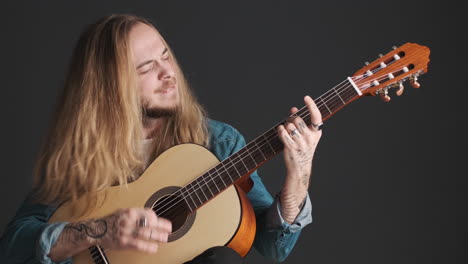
(166, 71)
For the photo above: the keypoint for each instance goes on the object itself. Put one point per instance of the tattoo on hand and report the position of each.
(302, 125)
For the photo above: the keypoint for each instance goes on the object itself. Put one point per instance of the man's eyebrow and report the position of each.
(144, 63)
(149, 61)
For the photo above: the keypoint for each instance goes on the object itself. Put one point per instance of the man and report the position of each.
(125, 101)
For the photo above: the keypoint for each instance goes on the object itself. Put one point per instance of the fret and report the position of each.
(257, 154)
(237, 166)
(268, 141)
(227, 172)
(191, 207)
(194, 196)
(219, 176)
(334, 104)
(190, 202)
(207, 184)
(195, 190)
(339, 96)
(212, 179)
(247, 159)
(190, 191)
(245, 166)
(232, 169)
(259, 149)
(276, 142)
(212, 171)
(323, 102)
(330, 99)
(252, 157)
(201, 186)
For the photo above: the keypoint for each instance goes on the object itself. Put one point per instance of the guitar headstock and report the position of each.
(402, 64)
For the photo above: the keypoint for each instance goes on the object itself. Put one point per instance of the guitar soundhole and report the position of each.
(168, 204)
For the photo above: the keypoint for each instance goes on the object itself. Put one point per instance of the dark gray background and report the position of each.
(388, 184)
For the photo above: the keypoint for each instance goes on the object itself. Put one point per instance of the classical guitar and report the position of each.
(205, 199)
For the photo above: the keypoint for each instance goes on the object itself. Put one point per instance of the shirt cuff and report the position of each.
(46, 241)
(276, 222)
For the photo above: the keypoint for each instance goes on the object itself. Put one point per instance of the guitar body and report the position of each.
(226, 220)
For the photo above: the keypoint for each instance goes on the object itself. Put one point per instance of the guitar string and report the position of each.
(175, 211)
(187, 190)
(319, 104)
(306, 114)
(414, 54)
(193, 188)
(337, 89)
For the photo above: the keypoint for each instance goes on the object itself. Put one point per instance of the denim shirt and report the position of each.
(28, 238)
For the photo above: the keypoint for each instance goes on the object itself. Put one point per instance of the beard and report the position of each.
(156, 112)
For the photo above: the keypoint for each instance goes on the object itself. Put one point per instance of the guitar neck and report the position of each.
(261, 149)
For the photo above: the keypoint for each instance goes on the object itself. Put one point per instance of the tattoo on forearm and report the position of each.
(76, 232)
(95, 229)
(305, 179)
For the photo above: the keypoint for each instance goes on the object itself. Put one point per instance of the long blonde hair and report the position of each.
(95, 137)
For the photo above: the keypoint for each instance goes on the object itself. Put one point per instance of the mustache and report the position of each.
(167, 84)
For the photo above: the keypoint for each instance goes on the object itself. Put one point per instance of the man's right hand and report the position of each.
(131, 228)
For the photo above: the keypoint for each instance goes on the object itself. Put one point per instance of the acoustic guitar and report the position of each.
(205, 199)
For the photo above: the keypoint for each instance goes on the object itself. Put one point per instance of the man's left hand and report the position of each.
(300, 142)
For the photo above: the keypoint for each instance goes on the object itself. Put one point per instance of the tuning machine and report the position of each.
(414, 81)
(383, 92)
(401, 88)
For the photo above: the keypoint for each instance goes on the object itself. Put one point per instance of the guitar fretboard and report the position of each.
(258, 151)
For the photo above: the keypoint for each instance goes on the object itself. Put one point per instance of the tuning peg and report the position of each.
(384, 96)
(380, 55)
(414, 82)
(366, 63)
(394, 47)
(401, 89)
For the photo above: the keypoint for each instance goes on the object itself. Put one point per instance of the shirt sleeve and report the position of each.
(28, 237)
(275, 219)
(275, 238)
